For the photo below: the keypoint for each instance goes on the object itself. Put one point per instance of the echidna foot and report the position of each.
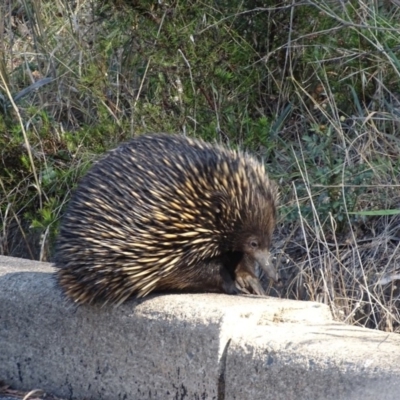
(247, 283)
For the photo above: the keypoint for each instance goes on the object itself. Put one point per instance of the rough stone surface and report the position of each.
(175, 346)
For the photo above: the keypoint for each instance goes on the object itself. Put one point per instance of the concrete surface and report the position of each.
(171, 346)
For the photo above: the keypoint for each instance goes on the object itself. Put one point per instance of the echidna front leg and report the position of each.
(216, 274)
(227, 284)
(246, 279)
(206, 276)
(215, 277)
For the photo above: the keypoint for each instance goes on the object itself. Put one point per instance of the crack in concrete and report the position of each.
(221, 372)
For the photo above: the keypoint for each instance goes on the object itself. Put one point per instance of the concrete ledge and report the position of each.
(201, 346)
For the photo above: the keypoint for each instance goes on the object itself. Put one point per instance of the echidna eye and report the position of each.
(254, 244)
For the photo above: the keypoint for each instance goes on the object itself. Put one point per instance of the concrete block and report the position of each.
(185, 346)
(301, 361)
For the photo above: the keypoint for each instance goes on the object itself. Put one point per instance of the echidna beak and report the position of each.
(263, 260)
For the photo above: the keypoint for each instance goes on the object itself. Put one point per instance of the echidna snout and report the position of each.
(262, 257)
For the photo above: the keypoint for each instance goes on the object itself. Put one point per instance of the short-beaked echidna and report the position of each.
(166, 212)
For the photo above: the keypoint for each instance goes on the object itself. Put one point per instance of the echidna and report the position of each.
(165, 212)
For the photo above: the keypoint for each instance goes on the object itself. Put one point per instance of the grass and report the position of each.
(313, 89)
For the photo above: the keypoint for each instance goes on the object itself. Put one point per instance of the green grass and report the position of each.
(313, 89)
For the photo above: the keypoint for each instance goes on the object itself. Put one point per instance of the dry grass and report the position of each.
(313, 88)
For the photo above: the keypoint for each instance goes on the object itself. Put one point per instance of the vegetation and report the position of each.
(312, 88)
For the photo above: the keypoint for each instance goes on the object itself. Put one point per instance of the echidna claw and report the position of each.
(242, 289)
(246, 282)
